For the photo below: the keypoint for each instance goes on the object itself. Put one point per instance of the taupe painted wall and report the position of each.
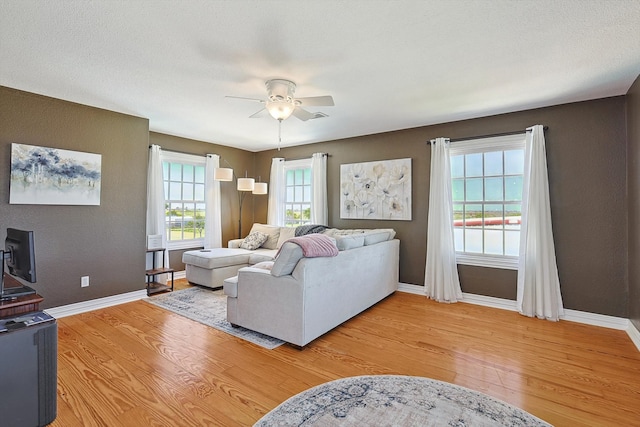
(106, 242)
(586, 149)
(240, 160)
(633, 135)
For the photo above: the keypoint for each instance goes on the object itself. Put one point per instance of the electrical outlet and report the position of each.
(84, 281)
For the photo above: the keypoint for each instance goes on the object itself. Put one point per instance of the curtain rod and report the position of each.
(304, 158)
(515, 132)
(181, 152)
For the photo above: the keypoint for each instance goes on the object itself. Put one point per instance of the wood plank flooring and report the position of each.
(138, 365)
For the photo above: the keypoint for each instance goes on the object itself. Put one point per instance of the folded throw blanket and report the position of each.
(315, 245)
(303, 230)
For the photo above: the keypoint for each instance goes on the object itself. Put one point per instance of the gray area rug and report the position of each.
(393, 400)
(210, 308)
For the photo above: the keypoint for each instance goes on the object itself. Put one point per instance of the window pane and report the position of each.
(187, 191)
(187, 173)
(474, 190)
(298, 176)
(473, 240)
(297, 194)
(166, 190)
(511, 243)
(493, 217)
(175, 191)
(290, 194)
(458, 190)
(457, 166)
(290, 174)
(493, 163)
(513, 188)
(165, 171)
(307, 176)
(307, 193)
(493, 242)
(458, 214)
(306, 212)
(493, 189)
(199, 174)
(199, 192)
(458, 236)
(513, 214)
(473, 216)
(175, 173)
(514, 162)
(473, 165)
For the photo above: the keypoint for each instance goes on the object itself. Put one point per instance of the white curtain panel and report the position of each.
(441, 279)
(213, 216)
(275, 209)
(319, 210)
(155, 205)
(538, 282)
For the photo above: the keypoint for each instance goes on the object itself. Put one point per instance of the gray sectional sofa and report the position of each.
(297, 299)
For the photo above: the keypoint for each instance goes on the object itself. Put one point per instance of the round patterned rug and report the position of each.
(395, 400)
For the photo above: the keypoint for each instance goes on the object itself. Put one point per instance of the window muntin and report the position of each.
(184, 180)
(297, 195)
(487, 178)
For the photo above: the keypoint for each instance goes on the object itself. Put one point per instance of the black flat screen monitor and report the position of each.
(19, 255)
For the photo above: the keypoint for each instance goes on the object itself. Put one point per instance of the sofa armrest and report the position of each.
(234, 243)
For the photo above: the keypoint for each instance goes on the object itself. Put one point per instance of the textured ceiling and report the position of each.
(389, 65)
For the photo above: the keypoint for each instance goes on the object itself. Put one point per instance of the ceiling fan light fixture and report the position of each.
(280, 110)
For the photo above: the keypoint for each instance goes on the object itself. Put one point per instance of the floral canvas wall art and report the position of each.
(50, 176)
(376, 190)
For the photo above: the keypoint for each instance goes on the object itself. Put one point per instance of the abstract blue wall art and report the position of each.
(50, 176)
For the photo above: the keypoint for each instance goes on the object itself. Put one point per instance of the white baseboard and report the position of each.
(95, 304)
(593, 319)
(634, 334)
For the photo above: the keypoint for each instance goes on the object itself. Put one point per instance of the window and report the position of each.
(487, 178)
(184, 177)
(297, 193)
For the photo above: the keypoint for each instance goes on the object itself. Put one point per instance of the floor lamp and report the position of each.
(243, 186)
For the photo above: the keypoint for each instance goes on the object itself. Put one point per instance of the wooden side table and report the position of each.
(154, 287)
(20, 305)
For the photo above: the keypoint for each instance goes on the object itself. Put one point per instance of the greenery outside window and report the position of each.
(487, 178)
(297, 193)
(184, 178)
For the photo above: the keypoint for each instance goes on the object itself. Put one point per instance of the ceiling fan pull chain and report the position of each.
(279, 133)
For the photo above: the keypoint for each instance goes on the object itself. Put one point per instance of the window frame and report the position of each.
(183, 159)
(485, 145)
(295, 165)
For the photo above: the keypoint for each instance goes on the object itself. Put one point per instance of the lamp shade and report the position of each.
(245, 184)
(223, 174)
(260, 188)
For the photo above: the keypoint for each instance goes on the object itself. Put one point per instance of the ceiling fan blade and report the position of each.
(316, 101)
(246, 99)
(259, 114)
(305, 115)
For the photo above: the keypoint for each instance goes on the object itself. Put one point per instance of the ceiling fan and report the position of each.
(281, 104)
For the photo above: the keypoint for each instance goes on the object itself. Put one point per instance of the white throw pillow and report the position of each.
(272, 232)
(254, 240)
(286, 233)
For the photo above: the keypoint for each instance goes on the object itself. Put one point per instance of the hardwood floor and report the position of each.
(138, 365)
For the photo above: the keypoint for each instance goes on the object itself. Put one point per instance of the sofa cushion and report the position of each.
(267, 265)
(216, 257)
(254, 240)
(287, 259)
(345, 243)
(375, 236)
(286, 233)
(230, 287)
(272, 232)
